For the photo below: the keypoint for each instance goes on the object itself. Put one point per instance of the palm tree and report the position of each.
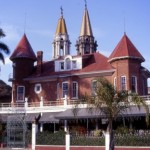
(3, 47)
(112, 103)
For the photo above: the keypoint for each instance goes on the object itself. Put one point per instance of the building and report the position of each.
(74, 75)
(66, 78)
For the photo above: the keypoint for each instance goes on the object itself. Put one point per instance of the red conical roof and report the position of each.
(125, 49)
(23, 50)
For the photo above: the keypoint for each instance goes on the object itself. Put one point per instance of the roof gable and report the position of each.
(125, 49)
(23, 50)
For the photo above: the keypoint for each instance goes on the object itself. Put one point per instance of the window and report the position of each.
(62, 66)
(94, 87)
(115, 83)
(38, 88)
(65, 89)
(74, 64)
(123, 83)
(20, 93)
(58, 91)
(68, 64)
(75, 89)
(134, 84)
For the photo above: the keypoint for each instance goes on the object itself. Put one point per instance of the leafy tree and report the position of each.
(111, 103)
(3, 47)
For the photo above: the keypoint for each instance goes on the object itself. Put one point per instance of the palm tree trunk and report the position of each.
(111, 135)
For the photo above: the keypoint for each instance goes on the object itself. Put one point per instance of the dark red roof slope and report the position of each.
(23, 50)
(125, 49)
(92, 63)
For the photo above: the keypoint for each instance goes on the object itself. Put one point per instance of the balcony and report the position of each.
(45, 106)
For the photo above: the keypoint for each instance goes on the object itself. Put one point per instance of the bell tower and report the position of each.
(61, 43)
(86, 43)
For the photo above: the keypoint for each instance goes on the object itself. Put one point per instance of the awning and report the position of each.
(84, 113)
(79, 113)
(49, 117)
(31, 117)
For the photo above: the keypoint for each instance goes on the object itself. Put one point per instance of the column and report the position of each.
(65, 100)
(41, 102)
(41, 127)
(33, 135)
(26, 103)
(65, 126)
(67, 141)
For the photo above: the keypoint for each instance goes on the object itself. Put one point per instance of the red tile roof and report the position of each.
(125, 49)
(23, 50)
(92, 63)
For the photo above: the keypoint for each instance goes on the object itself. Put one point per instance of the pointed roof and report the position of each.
(23, 50)
(86, 25)
(125, 49)
(61, 26)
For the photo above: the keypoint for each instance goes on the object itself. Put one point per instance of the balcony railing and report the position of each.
(47, 105)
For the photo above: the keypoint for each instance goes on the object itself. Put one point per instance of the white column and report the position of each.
(65, 126)
(33, 135)
(41, 102)
(67, 141)
(107, 140)
(41, 127)
(65, 100)
(26, 102)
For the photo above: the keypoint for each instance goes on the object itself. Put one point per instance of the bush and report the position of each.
(122, 130)
(98, 133)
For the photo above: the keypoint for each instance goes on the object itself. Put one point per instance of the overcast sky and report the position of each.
(109, 20)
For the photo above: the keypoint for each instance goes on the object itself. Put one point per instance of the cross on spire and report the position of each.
(85, 3)
(61, 11)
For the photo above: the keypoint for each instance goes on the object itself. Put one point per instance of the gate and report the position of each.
(16, 131)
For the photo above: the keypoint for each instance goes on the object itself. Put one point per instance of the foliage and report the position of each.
(98, 133)
(58, 138)
(3, 47)
(111, 103)
(47, 138)
(122, 130)
(78, 130)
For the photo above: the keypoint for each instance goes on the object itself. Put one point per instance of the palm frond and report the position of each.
(2, 34)
(2, 58)
(4, 47)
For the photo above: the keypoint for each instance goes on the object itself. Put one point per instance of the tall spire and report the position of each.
(86, 43)
(61, 26)
(61, 43)
(86, 25)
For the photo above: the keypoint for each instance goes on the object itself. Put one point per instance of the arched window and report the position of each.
(94, 87)
(123, 83)
(134, 84)
(65, 89)
(20, 93)
(68, 64)
(74, 89)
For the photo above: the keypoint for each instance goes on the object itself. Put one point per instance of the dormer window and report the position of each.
(74, 64)
(62, 66)
(68, 64)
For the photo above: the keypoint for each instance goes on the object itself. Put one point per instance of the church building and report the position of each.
(71, 76)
